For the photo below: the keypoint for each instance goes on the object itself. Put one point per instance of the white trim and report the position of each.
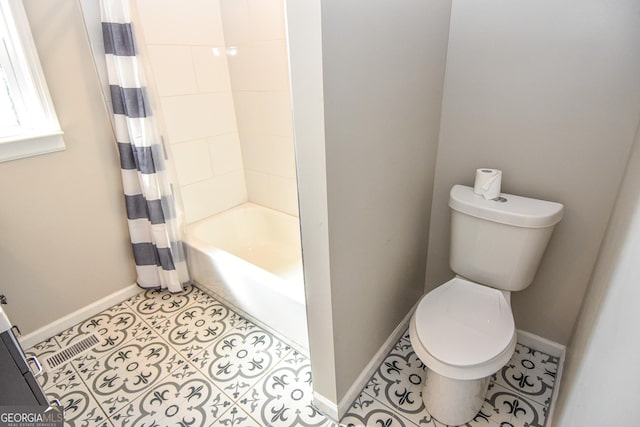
(78, 316)
(326, 406)
(31, 145)
(39, 130)
(539, 343)
(374, 364)
(556, 389)
(552, 348)
(31, 62)
(336, 412)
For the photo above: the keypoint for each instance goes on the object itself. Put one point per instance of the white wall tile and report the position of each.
(211, 70)
(195, 88)
(266, 19)
(286, 194)
(272, 191)
(235, 20)
(191, 160)
(263, 113)
(198, 116)
(260, 83)
(226, 155)
(193, 22)
(173, 70)
(257, 153)
(251, 20)
(258, 188)
(273, 155)
(269, 57)
(213, 195)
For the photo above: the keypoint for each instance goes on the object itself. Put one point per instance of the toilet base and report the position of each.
(453, 402)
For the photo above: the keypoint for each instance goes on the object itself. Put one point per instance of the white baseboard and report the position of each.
(336, 412)
(59, 325)
(552, 348)
(373, 365)
(539, 343)
(326, 406)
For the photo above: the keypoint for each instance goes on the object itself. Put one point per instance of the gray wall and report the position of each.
(599, 386)
(304, 32)
(383, 65)
(548, 92)
(64, 235)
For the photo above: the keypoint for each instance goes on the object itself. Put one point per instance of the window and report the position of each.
(28, 122)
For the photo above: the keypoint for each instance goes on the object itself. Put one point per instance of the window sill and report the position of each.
(30, 145)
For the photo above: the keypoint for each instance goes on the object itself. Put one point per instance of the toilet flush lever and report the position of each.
(3, 299)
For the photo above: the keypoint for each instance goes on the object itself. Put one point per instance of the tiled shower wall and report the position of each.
(255, 34)
(192, 85)
(224, 100)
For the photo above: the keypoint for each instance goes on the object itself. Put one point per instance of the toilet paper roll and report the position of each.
(488, 182)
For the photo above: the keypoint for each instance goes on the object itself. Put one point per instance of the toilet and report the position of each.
(463, 330)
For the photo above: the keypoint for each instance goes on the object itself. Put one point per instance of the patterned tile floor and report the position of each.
(187, 360)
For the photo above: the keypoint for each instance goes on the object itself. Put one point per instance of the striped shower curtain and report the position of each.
(149, 200)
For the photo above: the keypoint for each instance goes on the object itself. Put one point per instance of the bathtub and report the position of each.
(250, 257)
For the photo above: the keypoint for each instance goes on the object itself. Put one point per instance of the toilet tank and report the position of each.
(499, 242)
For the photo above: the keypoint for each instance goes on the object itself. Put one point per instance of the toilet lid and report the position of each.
(463, 323)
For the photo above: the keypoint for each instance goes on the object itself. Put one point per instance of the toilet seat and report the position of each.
(463, 330)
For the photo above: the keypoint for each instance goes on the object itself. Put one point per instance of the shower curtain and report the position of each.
(150, 203)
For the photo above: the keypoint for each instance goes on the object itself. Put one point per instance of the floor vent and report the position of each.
(63, 356)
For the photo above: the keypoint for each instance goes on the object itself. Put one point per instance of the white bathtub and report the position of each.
(250, 257)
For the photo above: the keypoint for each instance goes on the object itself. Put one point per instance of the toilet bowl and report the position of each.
(463, 330)
(467, 334)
